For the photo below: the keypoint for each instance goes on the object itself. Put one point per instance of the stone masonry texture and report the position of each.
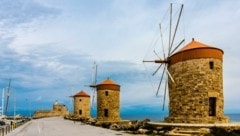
(194, 83)
(58, 110)
(83, 104)
(111, 102)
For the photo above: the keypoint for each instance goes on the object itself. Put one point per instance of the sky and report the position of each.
(48, 48)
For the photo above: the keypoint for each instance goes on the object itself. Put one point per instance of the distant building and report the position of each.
(81, 104)
(58, 110)
(196, 95)
(108, 101)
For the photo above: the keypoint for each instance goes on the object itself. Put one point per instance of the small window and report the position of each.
(105, 112)
(211, 65)
(80, 112)
(106, 93)
(80, 100)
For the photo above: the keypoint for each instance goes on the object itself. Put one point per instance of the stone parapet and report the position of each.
(58, 110)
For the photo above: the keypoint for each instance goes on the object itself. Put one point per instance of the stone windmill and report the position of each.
(195, 81)
(108, 101)
(81, 104)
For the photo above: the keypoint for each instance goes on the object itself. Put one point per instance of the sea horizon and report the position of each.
(233, 117)
(156, 117)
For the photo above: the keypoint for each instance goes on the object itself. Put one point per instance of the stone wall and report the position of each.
(58, 110)
(44, 113)
(110, 102)
(61, 110)
(195, 83)
(83, 104)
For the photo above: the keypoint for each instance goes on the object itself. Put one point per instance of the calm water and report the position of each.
(141, 116)
(234, 117)
(160, 117)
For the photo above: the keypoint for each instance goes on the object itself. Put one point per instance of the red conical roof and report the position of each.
(195, 50)
(195, 45)
(108, 82)
(81, 94)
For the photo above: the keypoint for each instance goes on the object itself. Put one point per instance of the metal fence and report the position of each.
(5, 129)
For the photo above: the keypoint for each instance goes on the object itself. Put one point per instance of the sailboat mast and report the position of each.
(8, 95)
(14, 95)
(3, 101)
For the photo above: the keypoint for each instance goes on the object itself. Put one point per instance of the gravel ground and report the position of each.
(56, 126)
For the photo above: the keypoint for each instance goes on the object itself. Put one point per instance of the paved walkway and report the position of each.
(57, 126)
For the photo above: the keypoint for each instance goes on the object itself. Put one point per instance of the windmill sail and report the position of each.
(170, 38)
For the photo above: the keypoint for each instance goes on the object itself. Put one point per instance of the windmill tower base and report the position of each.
(197, 94)
(108, 101)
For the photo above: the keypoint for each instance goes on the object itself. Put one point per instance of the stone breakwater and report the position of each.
(149, 128)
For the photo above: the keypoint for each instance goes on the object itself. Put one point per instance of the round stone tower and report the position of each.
(108, 101)
(81, 105)
(196, 95)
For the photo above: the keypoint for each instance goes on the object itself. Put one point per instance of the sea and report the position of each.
(160, 117)
(233, 117)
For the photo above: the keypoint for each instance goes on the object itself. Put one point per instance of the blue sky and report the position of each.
(48, 47)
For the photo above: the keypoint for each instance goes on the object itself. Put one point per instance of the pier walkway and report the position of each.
(57, 126)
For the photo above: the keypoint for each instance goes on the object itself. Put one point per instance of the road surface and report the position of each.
(57, 126)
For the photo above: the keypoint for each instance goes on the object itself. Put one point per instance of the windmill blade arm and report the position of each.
(95, 77)
(157, 70)
(165, 93)
(156, 61)
(177, 47)
(161, 80)
(175, 31)
(170, 76)
(93, 97)
(92, 86)
(160, 27)
(156, 54)
(170, 30)
(148, 61)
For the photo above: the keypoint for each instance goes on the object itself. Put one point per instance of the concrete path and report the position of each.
(57, 126)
